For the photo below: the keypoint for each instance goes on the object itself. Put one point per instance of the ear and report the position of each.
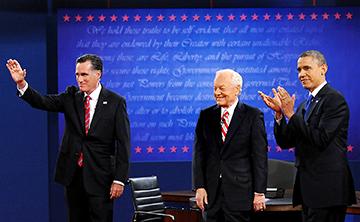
(98, 73)
(324, 69)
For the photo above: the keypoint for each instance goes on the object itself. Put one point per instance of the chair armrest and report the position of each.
(156, 214)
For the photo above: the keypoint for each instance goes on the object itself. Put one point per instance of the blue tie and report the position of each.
(308, 104)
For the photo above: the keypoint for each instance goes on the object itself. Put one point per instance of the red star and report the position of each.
(278, 17)
(137, 18)
(172, 18)
(184, 18)
(243, 17)
(290, 16)
(148, 18)
(313, 16)
(207, 17)
(219, 17)
(350, 148)
(266, 17)
(302, 16)
(160, 18)
(278, 149)
(137, 149)
(90, 18)
(102, 18)
(173, 149)
(231, 17)
(113, 18)
(291, 150)
(349, 16)
(125, 18)
(337, 16)
(196, 17)
(325, 16)
(185, 149)
(254, 17)
(78, 18)
(269, 148)
(149, 149)
(66, 18)
(161, 149)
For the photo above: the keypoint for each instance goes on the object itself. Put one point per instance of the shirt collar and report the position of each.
(95, 94)
(317, 89)
(231, 108)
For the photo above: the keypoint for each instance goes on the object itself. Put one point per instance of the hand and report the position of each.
(259, 202)
(287, 102)
(116, 190)
(201, 198)
(273, 103)
(17, 73)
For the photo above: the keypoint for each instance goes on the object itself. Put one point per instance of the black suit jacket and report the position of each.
(106, 148)
(241, 159)
(320, 140)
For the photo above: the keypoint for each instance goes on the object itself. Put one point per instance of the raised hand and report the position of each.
(273, 103)
(287, 102)
(17, 73)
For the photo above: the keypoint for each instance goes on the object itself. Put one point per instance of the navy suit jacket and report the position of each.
(323, 178)
(106, 147)
(241, 159)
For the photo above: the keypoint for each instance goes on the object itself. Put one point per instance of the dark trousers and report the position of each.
(329, 214)
(220, 212)
(83, 207)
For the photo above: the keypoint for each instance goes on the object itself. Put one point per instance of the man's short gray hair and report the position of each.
(318, 56)
(236, 77)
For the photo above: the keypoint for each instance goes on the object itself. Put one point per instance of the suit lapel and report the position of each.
(215, 120)
(99, 106)
(79, 104)
(235, 123)
(316, 101)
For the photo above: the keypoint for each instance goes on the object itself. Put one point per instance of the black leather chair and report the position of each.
(147, 200)
(281, 174)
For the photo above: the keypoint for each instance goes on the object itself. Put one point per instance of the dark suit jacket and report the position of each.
(323, 178)
(106, 148)
(241, 160)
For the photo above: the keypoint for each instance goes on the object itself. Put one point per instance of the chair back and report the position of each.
(281, 174)
(147, 198)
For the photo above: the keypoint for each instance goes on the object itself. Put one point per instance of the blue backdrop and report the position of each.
(163, 62)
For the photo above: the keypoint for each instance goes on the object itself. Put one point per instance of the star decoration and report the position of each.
(78, 18)
(148, 18)
(290, 16)
(102, 18)
(207, 17)
(125, 18)
(291, 150)
(350, 148)
(196, 17)
(149, 149)
(219, 17)
(254, 17)
(184, 18)
(337, 16)
(173, 149)
(302, 16)
(278, 149)
(66, 18)
(137, 18)
(113, 18)
(90, 18)
(172, 18)
(243, 17)
(160, 18)
(313, 16)
(349, 16)
(231, 17)
(269, 148)
(137, 149)
(325, 16)
(161, 149)
(278, 17)
(185, 149)
(266, 17)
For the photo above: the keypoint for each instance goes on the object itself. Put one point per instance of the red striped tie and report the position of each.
(87, 126)
(224, 124)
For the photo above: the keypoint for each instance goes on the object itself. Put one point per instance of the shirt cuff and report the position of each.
(22, 91)
(119, 182)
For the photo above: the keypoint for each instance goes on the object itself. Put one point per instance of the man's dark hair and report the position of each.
(95, 60)
(318, 56)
